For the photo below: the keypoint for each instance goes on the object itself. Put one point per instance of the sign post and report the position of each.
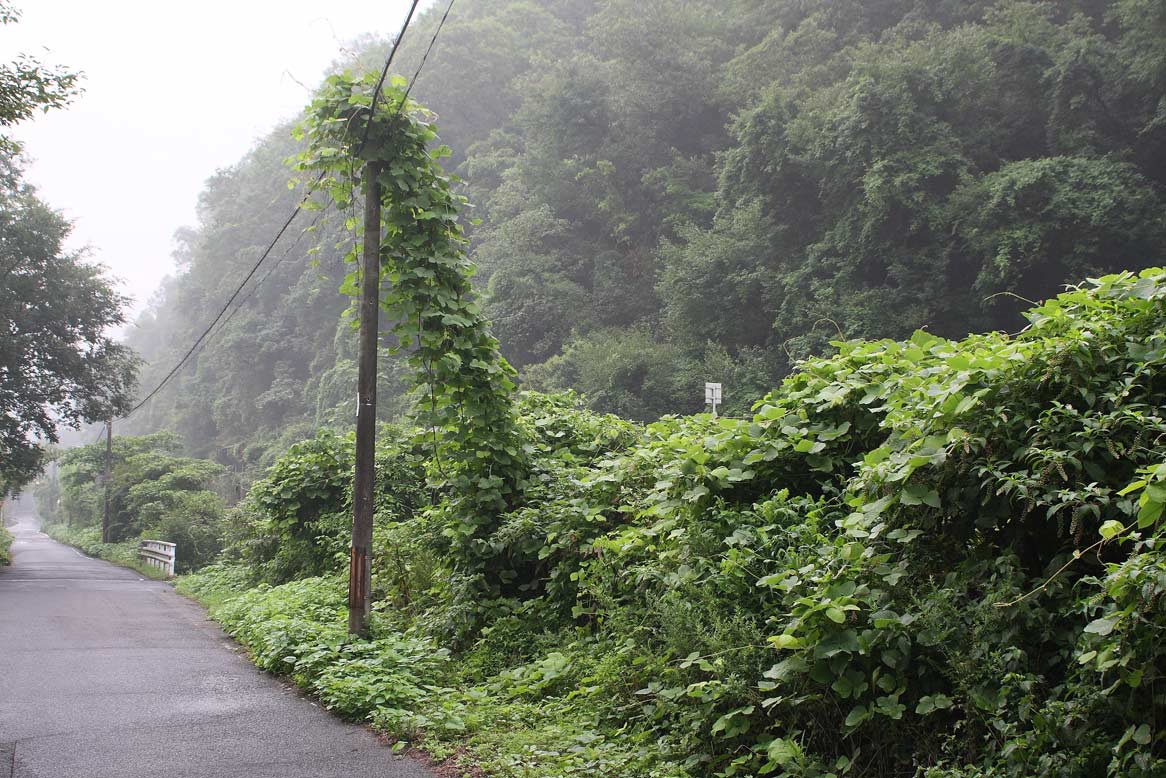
(712, 396)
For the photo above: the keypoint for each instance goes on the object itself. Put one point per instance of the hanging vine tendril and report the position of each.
(455, 359)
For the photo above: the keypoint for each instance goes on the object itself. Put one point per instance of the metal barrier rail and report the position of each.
(159, 554)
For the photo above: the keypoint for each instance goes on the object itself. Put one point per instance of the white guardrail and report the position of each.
(159, 554)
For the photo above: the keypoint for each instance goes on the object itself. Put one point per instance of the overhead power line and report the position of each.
(376, 93)
(424, 58)
(295, 212)
(174, 371)
(270, 270)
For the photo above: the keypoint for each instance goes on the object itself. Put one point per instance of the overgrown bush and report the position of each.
(919, 558)
(297, 521)
(300, 629)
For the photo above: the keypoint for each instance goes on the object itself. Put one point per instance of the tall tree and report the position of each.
(58, 365)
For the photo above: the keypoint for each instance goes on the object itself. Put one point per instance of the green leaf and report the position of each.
(785, 641)
(1156, 492)
(857, 715)
(915, 494)
(782, 751)
(1101, 626)
(844, 641)
(1133, 487)
(931, 703)
(1149, 513)
(1110, 529)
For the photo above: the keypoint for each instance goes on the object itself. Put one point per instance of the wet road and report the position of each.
(103, 673)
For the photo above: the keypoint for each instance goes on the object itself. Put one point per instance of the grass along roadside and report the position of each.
(5, 542)
(88, 540)
(450, 709)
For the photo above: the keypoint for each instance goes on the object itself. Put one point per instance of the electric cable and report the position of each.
(270, 270)
(266, 252)
(295, 212)
(424, 57)
(376, 93)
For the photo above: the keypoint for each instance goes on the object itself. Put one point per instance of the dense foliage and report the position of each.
(58, 366)
(921, 557)
(153, 492)
(927, 553)
(296, 522)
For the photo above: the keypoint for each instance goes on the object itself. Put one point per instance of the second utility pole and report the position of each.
(108, 478)
(359, 583)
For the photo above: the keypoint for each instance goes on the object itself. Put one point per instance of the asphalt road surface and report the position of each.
(104, 673)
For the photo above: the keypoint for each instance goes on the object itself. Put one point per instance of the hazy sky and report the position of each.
(173, 92)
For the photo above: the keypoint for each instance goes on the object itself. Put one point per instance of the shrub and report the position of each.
(297, 520)
(300, 629)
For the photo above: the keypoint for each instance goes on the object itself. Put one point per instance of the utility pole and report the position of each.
(108, 478)
(359, 585)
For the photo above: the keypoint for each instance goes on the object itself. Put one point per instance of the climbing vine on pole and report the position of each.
(467, 414)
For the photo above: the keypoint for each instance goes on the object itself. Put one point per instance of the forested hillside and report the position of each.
(672, 192)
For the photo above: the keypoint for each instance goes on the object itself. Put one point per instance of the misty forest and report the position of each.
(919, 243)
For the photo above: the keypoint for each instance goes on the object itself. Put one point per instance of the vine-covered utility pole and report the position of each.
(359, 583)
(411, 229)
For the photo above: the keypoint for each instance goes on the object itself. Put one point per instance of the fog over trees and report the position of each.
(674, 192)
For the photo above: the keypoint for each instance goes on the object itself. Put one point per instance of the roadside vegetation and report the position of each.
(88, 541)
(921, 557)
(5, 544)
(153, 493)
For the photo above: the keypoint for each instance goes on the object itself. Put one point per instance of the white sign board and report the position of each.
(712, 395)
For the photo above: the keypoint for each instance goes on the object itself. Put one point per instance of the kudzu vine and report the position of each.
(467, 413)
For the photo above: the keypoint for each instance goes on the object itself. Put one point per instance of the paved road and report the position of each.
(103, 673)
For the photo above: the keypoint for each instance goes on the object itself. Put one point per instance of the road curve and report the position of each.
(106, 674)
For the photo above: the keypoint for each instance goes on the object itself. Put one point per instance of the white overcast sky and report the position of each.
(173, 92)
